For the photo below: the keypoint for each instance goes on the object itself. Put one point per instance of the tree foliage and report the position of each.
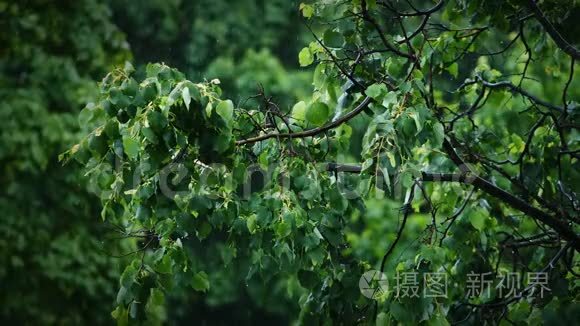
(439, 137)
(52, 266)
(457, 123)
(52, 239)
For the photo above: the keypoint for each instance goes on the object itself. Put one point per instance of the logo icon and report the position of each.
(373, 284)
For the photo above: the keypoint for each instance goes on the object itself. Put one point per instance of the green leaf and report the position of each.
(383, 319)
(86, 115)
(128, 68)
(418, 122)
(186, 96)
(376, 91)
(311, 241)
(392, 159)
(134, 309)
(367, 164)
(317, 256)
(112, 128)
(149, 135)
(299, 111)
(129, 87)
(520, 311)
(148, 92)
(175, 94)
(438, 320)
(97, 143)
(209, 109)
(319, 78)
(203, 230)
(477, 219)
(119, 99)
(165, 265)
(438, 135)
(228, 254)
(390, 98)
(155, 307)
(121, 315)
(333, 39)
(283, 229)
(143, 213)
(225, 109)
(453, 69)
(317, 113)
(124, 296)
(305, 57)
(334, 237)
(131, 147)
(129, 276)
(371, 4)
(307, 10)
(251, 223)
(153, 69)
(200, 282)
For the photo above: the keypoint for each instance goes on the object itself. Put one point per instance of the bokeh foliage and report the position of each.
(58, 260)
(52, 267)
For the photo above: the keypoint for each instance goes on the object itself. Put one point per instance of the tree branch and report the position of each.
(557, 224)
(368, 18)
(406, 209)
(433, 9)
(311, 132)
(554, 34)
(467, 177)
(515, 89)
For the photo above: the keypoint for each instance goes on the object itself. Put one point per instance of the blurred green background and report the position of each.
(58, 261)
